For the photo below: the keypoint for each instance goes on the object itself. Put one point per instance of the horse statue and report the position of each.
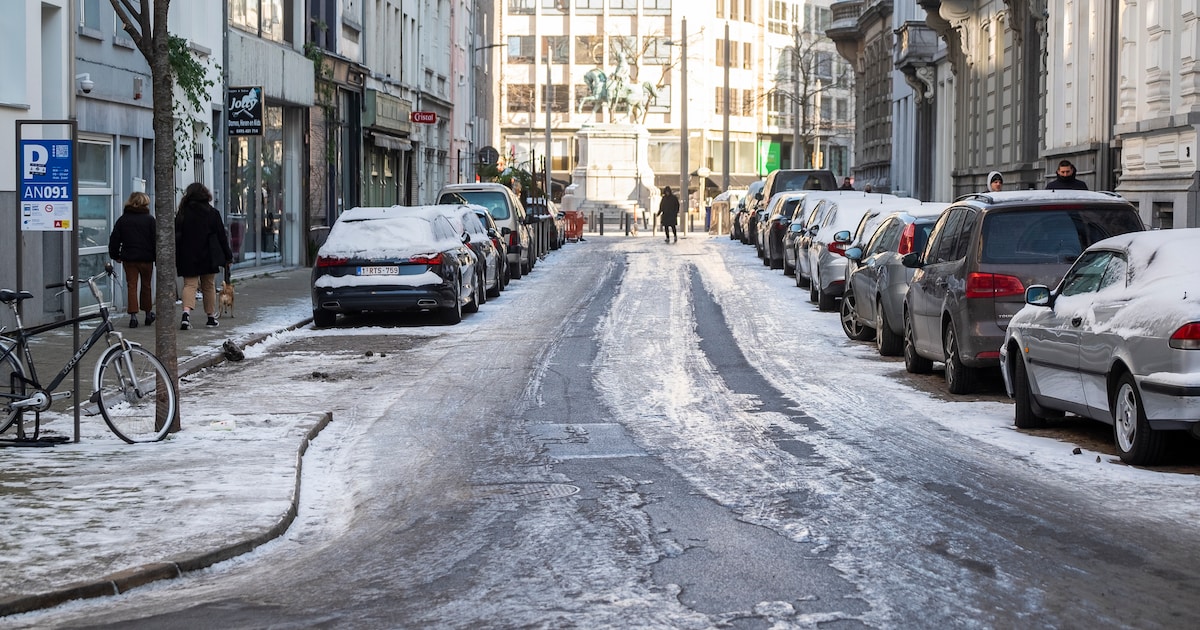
(637, 99)
(597, 84)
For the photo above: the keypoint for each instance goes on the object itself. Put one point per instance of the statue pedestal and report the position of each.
(613, 175)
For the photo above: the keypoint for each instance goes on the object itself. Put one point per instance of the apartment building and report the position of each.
(785, 85)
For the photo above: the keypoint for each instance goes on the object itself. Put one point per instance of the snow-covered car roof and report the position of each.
(378, 234)
(1021, 196)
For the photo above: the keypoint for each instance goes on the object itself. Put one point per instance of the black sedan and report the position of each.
(385, 259)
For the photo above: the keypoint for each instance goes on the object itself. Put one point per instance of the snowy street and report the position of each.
(648, 435)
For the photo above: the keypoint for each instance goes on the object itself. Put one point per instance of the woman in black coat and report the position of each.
(201, 249)
(132, 244)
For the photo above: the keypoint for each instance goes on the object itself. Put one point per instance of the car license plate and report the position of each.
(379, 271)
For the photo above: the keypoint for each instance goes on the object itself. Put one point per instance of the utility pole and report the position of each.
(546, 154)
(796, 154)
(725, 122)
(683, 122)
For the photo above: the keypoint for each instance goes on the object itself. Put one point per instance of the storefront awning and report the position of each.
(391, 142)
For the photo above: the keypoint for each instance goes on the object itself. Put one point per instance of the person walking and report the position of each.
(201, 249)
(847, 184)
(1065, 179)
(668, 211)
(995, 181)
(133, 244)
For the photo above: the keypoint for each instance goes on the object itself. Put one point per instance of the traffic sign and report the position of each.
(47, 186)
(425, 118)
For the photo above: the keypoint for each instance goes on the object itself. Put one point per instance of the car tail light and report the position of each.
(837, 248)
(329, 261)
(1187, 337)
(907, 239)
(993, 285)
(776, 226)
(990, 354)
(427, 259)
(514, 239)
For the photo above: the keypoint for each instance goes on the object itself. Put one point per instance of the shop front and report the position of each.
(264, 191)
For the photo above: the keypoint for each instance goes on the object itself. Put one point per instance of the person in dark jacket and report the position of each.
(1065, 179)
(668, 210)
(201, 249)
(133, 244)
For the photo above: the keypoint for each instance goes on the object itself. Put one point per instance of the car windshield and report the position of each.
(494, 201)
(797, 181)
(1050, 235)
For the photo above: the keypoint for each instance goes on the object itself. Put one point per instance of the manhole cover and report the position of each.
(518, 492)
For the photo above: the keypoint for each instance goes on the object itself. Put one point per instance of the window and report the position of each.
(520, 49)
(520, 98)
(555, 5)
(817, 19)
(656, 5)
(657, 50)
(623, 5)
(1087, 274)
(560, 98)
(89, 14)
(269, 19)
(95, 193)
(555, 48)
(589, 49)
(746, 56)
(622, 44)
(591, 6)
(823, 65)
(521, 7)
(841, 110)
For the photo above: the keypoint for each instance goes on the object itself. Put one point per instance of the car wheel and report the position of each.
(473, 305)
(1024, 416)
(495, 290)
(825, 301)
(887, 342)
(454, 314)
(813, 293)
(788, 270)
(514, 271)
(323, 318)
(798, 278)
(960, 379)
(851, 325)
(913, 362)
(1137, 443)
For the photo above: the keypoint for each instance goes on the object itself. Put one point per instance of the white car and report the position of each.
(1118, 341)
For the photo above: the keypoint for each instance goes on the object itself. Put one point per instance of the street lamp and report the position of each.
(476, 119)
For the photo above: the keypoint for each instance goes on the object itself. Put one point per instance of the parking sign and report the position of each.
(47, 185)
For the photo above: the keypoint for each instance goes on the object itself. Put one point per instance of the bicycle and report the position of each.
(133, 391)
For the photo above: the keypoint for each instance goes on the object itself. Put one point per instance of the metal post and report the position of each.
(683, 121)
(549, 100)
(725, 116)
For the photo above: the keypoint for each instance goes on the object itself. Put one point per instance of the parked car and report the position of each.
(466, 221)
(504, 206)
(797, 230)
(782, 180)
(821, 250)
(983, 251)
(392, 260)
(501, 243)
(779, 212)
(1117, 341)
(741, 222)
(876, 281)
(725, 204)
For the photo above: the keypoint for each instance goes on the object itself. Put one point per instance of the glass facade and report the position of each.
(255, 216)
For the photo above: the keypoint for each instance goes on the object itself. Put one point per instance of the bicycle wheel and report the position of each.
(136, 395)
(10, 389)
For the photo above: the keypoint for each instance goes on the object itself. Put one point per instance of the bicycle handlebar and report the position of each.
(70, 282)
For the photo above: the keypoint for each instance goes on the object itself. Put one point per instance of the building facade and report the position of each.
(776, 55)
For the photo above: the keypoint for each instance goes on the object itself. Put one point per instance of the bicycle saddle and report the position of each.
(8, 296)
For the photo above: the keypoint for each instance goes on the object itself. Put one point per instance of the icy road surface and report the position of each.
(650, 435)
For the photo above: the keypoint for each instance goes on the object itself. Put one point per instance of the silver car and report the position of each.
(1117, 341)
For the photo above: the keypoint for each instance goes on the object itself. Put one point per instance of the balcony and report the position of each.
(916, 45)
(844, 25)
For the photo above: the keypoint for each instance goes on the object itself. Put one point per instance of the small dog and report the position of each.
(227, 299)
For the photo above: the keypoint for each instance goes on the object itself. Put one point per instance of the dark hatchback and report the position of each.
(374, 260)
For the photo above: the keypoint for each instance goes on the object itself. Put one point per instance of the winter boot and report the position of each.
(186, 324)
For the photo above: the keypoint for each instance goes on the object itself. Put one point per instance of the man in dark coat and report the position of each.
(132, 244)
(668, 211)
(1066, 178)
(201, 249)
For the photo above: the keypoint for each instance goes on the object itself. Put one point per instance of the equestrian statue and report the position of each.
(616, 92)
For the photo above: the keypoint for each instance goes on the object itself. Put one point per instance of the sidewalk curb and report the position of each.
(126, 579)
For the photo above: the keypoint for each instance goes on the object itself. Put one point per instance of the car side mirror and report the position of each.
(796, 227)
(1039, 295)
(842, 237)
(758, 196)
(855, 254)
(466, 238)
(912, 260)
(505, 231)
(812, 231)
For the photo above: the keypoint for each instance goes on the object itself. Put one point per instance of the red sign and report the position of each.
(427, 118)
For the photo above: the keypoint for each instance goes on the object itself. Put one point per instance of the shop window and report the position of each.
(268, 19)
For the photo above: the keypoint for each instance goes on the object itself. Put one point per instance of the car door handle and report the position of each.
(1076, 321)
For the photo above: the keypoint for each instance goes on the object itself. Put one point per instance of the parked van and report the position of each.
(505, 207)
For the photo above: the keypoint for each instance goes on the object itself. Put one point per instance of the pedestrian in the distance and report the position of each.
(668, 211)
(995, 181)
(133, 244)
(201, 249)
(1065, 179)
(847, 184)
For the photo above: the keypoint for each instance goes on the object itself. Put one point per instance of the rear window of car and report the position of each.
(495, 202)
(798, 181)
(1051, 235)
